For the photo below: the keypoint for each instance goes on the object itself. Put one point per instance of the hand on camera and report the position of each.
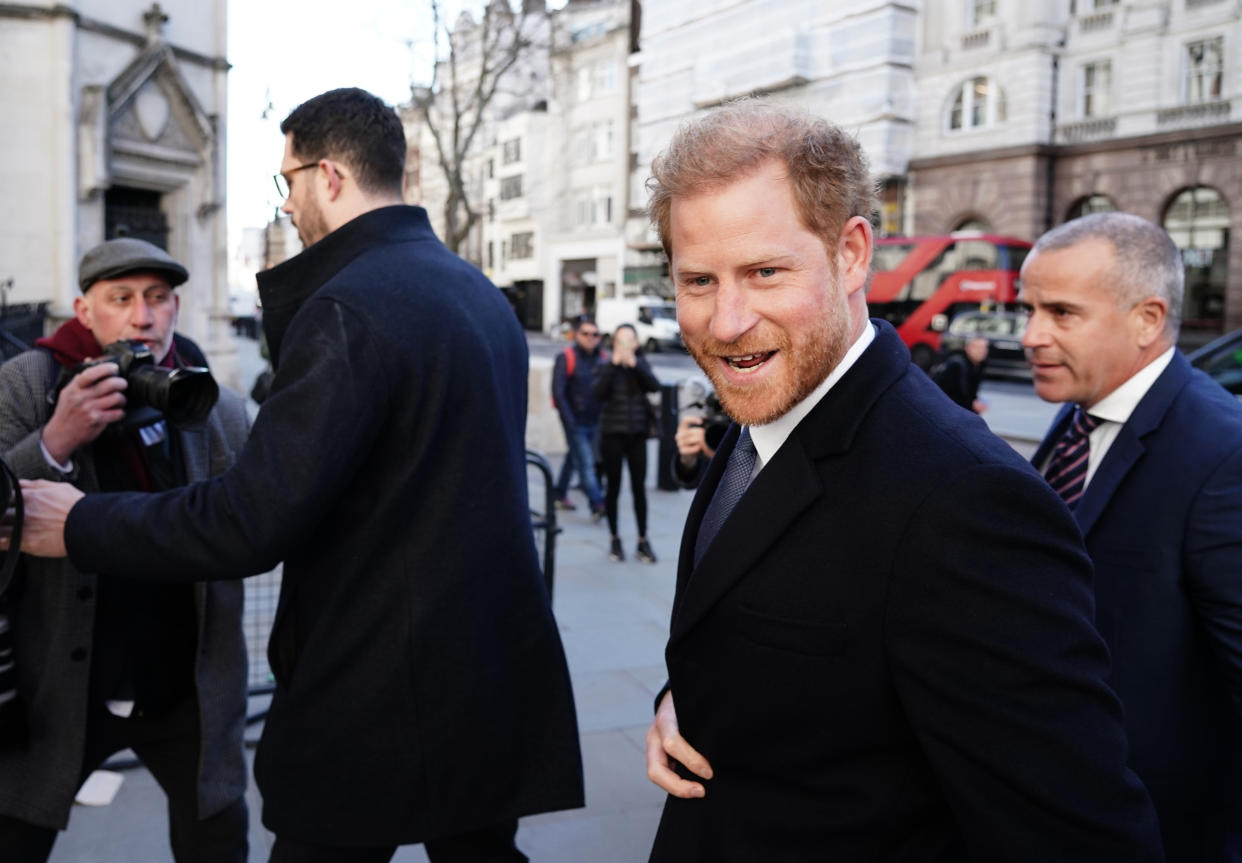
(87, 405)
(691, 440)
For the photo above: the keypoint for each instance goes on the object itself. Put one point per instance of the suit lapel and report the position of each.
(785, 487)
(1128, 447)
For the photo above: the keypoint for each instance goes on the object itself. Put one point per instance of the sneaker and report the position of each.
(565, 503)
(597, 513)
(644, 553)
(615, 552)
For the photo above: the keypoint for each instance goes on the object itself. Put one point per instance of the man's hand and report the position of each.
(664, 740)
(88, 404)
(47, 505)
(691, 440)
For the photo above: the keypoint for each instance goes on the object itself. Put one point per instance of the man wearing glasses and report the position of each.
(572, 375)
(422, 693)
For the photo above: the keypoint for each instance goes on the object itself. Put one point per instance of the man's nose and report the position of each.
(1035, 335)
(733, 315)
(142, 315)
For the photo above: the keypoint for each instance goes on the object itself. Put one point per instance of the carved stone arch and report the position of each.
(147, 129)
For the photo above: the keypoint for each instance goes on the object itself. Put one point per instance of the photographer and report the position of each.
(104, 662)
(698, 435)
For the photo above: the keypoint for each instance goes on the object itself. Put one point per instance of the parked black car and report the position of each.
(1002, 328)
(1222, 360)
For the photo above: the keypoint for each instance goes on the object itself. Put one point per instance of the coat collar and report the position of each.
(285, 287)
(1128, 447)
(786, 486)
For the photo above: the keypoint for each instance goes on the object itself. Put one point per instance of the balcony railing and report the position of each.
(1094, 22)
(1088, 130)
(1203, 112)
(976, 39)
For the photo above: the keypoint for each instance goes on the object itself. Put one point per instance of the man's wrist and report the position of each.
(65, 467)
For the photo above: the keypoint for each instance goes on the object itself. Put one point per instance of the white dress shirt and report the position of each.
(769, 437)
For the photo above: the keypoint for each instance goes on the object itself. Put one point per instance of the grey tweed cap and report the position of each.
(128, 255)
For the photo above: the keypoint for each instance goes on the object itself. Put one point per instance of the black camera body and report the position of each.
(184, 396)
(715, 421)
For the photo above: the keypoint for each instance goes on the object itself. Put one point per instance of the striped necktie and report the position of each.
(1067, 469)
(732, 486)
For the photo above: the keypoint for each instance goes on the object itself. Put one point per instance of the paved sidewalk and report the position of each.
(613, 619)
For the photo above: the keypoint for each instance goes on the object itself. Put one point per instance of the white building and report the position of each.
(114, 115)
(589, 116)
(1034, 113)
(851, 62)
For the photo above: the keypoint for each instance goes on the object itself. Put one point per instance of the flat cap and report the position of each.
(128, 255)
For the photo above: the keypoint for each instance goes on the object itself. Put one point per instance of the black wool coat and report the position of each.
(421, 687)
(887, 651)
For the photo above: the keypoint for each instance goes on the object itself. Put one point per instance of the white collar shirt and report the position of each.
(1115, 409)
(769, 438)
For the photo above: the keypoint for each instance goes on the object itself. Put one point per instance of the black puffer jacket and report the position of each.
(623, 393)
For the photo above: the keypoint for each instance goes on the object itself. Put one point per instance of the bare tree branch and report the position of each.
(460, 100)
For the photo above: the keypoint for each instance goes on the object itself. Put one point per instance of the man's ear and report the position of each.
(1149, 317)
(854, 254)
(81, 311)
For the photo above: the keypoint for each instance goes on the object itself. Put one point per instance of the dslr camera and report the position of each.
(183, 396)
(715, 420)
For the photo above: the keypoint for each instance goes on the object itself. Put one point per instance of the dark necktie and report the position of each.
(1067, 469)
(732, 486)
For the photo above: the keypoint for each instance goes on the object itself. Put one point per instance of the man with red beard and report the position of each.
(881, 644)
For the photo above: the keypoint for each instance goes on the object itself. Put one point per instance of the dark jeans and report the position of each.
(488, 845)
(631, 448)
(581, 456)
(169, 747)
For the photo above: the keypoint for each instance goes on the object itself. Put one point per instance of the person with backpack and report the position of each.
(572, 375)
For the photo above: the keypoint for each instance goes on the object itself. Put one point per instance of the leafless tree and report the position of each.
(471, 63)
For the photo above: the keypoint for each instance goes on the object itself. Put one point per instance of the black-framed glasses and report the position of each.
(590, 334)
(282, 178)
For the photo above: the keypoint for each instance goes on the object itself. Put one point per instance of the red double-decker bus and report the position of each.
(919, 283)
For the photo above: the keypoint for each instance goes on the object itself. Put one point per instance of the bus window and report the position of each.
(888, 256)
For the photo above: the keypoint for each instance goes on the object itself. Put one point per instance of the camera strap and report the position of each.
(15, 542)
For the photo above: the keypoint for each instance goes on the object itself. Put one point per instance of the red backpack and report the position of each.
(571, 357)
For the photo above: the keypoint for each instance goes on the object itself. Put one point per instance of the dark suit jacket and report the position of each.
(1162, 518)
(421, 688)
(887, 652)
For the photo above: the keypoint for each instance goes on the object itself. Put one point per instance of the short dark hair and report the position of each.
(358, 129)
(582, 320)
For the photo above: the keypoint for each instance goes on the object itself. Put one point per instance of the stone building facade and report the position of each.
(1033, 114)
(115, 126)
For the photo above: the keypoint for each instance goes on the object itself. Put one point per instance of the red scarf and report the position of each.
(72, 344)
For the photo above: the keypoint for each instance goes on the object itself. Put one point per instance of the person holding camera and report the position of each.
(106, 663)
(625, 417)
